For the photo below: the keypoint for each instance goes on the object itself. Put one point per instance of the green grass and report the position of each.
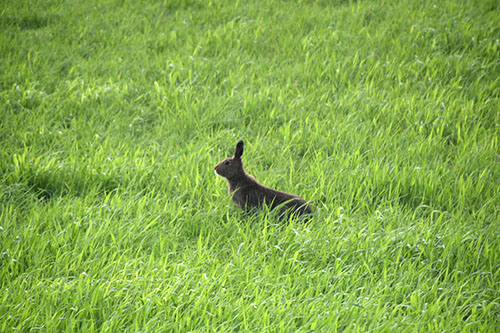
(384, 114)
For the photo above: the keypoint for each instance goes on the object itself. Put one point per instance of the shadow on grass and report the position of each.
(25, 22)
(48, 184)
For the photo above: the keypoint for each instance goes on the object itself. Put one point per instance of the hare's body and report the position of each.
(249, 193)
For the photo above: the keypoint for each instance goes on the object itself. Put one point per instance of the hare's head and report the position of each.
(231, 167)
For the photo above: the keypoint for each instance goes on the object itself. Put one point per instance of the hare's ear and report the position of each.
(239, 149)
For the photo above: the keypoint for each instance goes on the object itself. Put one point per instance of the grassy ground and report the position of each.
(384, 114)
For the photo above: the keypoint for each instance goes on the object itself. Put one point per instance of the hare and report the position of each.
(248, 193)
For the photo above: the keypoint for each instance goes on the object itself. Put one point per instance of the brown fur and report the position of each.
(248, 193)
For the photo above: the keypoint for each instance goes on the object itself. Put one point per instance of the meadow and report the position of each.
(385, 115)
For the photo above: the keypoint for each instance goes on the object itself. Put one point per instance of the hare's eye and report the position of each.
(227, 163)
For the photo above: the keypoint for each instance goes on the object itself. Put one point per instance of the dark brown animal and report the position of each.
(248, 193)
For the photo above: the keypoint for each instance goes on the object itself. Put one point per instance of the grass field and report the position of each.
(384, 114)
